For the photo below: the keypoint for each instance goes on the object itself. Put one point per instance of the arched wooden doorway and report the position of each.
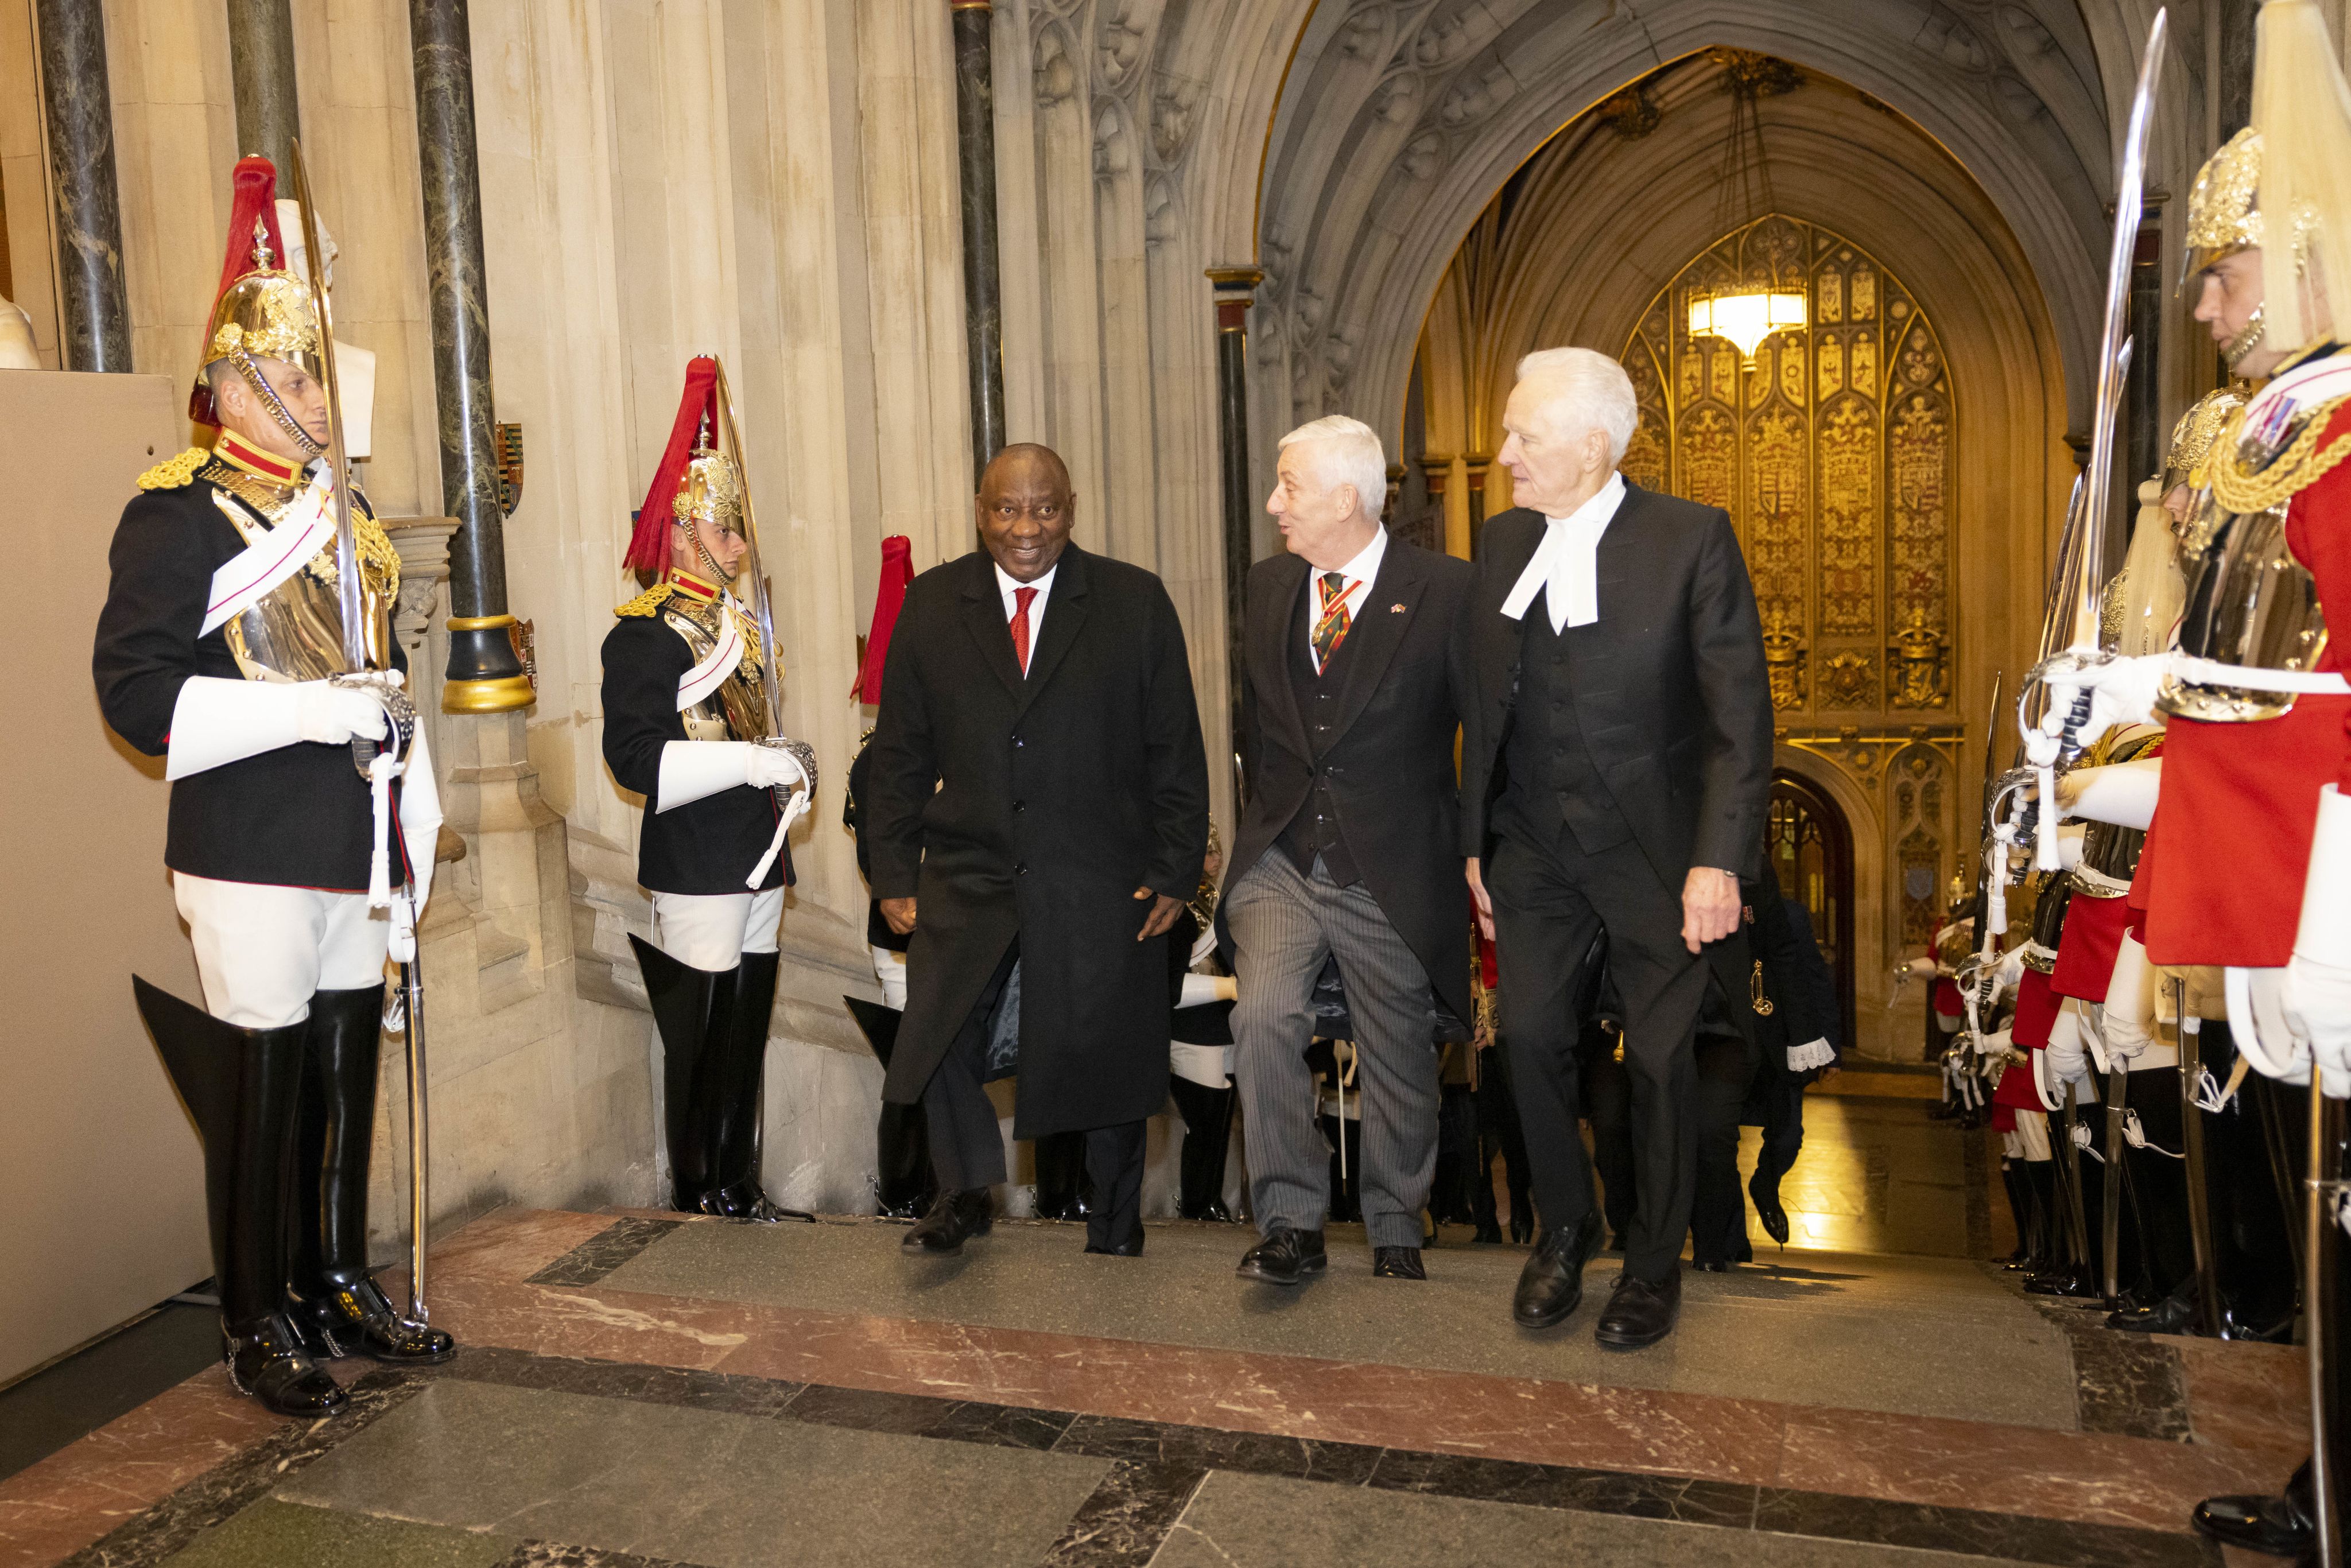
(1809, 846)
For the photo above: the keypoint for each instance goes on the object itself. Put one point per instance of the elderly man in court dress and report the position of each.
(1036, 815)
(1352, 693)
(1617, 770)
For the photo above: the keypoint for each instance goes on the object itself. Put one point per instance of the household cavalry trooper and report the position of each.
(2246, 863)
(221, 649)
(689, 724)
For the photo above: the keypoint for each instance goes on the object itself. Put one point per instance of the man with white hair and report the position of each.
(1351, 694)
(1615, 774)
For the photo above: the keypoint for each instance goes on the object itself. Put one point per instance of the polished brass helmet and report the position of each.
(710, 492)
(2222, 216)
(2196, 434)
(266, 313)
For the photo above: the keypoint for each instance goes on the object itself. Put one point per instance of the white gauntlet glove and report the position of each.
(2122, 794)
(693, 770)
(217, 721)
(2318, 977)
(2123, 691)
(2130, 1004)
(420, 833)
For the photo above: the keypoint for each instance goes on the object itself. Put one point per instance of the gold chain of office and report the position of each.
(2301, 464)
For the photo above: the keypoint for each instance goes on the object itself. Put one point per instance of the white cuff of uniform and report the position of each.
(2325, 935)
(1810, 1054)
(217, 721)
(692, 770)
(1198, 990)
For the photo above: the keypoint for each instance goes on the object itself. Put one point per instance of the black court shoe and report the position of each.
(1550, 1286)
(2275, 1526)
(1768, 1209)
(1397, 1263)
(1640, 1313)
(953, 1219)
(1285, 1258)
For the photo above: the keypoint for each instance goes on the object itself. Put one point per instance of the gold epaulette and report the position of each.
(174, 472)
(646, 604)
(2243, 491)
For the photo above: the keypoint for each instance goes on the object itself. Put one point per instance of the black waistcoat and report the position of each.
(1552, 774)
(1315, 830)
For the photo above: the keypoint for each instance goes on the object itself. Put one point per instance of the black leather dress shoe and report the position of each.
(1711, 1268)
(2275, 1526)
(1640, 1313)
(1123, 1249)
(1397, 1263)
(2176, 1313)
(953, 1219)
(1550, 1286)
(1768, 1209)
(1285, 1258)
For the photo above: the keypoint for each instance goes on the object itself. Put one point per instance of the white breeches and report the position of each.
(713, 931)
(890, 968)
(262, 951)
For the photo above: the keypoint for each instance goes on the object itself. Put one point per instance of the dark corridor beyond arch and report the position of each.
(1809, 846)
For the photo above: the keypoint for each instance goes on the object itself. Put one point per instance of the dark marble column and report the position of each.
(1234, 286)
(983, 293)
(79, 109)
(261, 67)
(485, 675)
(1436, 471)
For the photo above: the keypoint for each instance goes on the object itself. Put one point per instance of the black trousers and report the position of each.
(1550, 900)
(967, 1146)
(1726, 1075)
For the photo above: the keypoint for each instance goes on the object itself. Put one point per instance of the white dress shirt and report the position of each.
(1567, 562)
(1006, 584)
(1359, 573)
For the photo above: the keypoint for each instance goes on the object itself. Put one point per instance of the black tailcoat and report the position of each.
(1673, 698)
(1034, 808)
(705, 847)
(298, 816)
(1383, 751)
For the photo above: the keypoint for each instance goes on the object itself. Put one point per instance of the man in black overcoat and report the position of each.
(1036, 817)
(1617, 770)
(1354, 688)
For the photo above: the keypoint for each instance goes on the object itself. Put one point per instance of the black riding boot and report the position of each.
(1062, 1190)
(734, 1073)
(2041, 1181)
(905, 1186)
(241, 1086)
(1208, 1139)
(693, 1009)
(331, 1299)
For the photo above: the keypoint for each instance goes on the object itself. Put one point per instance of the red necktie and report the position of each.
(1020, 598)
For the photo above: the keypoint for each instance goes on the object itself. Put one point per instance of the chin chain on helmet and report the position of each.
(274, 403)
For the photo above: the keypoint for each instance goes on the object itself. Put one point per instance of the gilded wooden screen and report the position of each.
(1833, 454)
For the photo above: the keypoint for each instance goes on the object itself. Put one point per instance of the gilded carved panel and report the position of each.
(1833, 451)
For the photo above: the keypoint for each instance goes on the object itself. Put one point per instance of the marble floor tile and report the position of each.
(2083, 1477)
(1264, 1521)
(273, 1535)
(698, 1486)
(514, 1243)
(2246, 1395)
(53, 1508)
(1864, 1332)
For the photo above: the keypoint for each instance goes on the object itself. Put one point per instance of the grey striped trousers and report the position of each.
(1283, 925)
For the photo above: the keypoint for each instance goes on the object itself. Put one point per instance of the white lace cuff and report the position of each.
(1813, 1053)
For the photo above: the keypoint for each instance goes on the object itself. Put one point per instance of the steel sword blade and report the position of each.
(348, 593)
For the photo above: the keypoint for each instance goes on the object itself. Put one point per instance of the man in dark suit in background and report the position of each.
(1617, 770)
(1035, 814)
(1352, 694)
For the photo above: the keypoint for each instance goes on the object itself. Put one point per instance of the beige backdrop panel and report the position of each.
(105, 1214)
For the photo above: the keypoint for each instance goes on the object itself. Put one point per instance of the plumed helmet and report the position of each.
(710, 491)
(261, 311)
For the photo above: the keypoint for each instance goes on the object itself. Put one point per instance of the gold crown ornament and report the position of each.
(2221, 217)
(266, 313)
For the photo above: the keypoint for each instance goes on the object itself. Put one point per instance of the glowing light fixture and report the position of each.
(1746, 317)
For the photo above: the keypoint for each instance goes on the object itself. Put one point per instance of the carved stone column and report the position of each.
(485, 672)
(1436, 471)
(1234, 286)
(261, 67)
(1477, 464)
(80, 108)
(983, 291)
